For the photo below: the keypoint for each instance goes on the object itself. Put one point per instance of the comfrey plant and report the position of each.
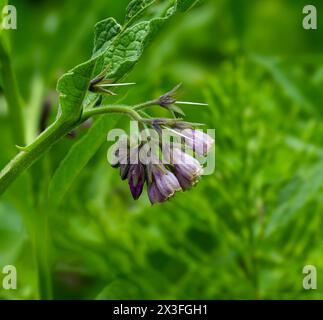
(165, 164)
(84, 93)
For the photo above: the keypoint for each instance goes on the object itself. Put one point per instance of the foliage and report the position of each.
(245, 231)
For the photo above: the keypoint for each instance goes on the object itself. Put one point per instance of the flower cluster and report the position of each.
(171, 170)
(167, 166)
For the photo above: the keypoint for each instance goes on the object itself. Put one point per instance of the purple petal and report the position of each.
(136, 180)
(166, 182)
(155, 195)
(184, 183)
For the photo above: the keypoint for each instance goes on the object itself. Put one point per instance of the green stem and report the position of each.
(112, 109)
(11, 92)
(42, 248)
(146, 105)
(24, 159)
(51, 135)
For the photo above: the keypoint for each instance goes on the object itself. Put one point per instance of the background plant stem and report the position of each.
(11, 92)
(38, 219)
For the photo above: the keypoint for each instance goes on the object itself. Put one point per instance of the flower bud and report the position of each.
(166, 181)
(136, 180)
(155, 196)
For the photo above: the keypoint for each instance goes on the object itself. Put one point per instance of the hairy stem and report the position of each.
(145, 105)
(28, 155)
(112, 109)
(25, 158)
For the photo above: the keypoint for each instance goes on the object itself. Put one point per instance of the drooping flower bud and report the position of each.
(166, 181)
(185, 183)
(186, 168)
(136, 180)
(155, 196)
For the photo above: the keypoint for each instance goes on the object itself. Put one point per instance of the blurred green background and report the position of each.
(245, 232)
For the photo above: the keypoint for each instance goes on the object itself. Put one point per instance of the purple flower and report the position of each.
(197, 140)
(162, 184)
(155, 196)
(189, 172)
(185, 183)
(166, 182)
(124, 155)
(186, 168)
(136, 180)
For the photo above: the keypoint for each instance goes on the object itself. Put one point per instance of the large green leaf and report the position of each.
(119, 50)
(78, 156)
(104, 32)
(129, 47)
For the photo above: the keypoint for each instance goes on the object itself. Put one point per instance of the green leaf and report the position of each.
(12, 233)
(136, 7)
(127, 49)
(104, 32)
(184, 5)
(78, 156)
(283, 79)
(119, 50)
(73, 87)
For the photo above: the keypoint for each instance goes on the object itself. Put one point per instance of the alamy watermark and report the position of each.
(8, 18)
(310, 279)
(310, 19)
(9, 281)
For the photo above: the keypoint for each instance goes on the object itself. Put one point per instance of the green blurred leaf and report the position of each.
(120, 289)
(298, 193)
(78, 156)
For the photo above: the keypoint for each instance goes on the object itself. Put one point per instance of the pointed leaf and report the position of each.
(73, 87)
